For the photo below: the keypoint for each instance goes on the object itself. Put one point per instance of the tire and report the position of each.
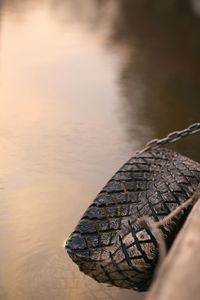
(110, 244)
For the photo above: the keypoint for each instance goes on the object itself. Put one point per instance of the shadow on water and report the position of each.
(162, 59)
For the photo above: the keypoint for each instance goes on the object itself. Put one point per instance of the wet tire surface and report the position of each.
(110, 244)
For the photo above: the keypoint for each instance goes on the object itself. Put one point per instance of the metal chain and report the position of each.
(171, 137)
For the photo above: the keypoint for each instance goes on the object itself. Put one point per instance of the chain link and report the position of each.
(171, 137)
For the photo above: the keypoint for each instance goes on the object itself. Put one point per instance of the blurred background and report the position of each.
(83, 85)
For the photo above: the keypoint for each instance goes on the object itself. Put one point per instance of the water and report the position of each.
(83, 84)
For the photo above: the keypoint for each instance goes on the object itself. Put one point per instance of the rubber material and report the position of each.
(109, 243)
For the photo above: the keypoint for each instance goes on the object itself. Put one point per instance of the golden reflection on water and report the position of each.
(60, 141)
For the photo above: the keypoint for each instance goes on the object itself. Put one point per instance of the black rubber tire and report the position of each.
(110, 244)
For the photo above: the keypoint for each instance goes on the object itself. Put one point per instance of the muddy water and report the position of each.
(82, 86)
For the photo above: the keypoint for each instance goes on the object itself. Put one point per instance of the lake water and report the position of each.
(83, 85)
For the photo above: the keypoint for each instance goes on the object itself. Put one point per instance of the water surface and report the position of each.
(82, 86)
